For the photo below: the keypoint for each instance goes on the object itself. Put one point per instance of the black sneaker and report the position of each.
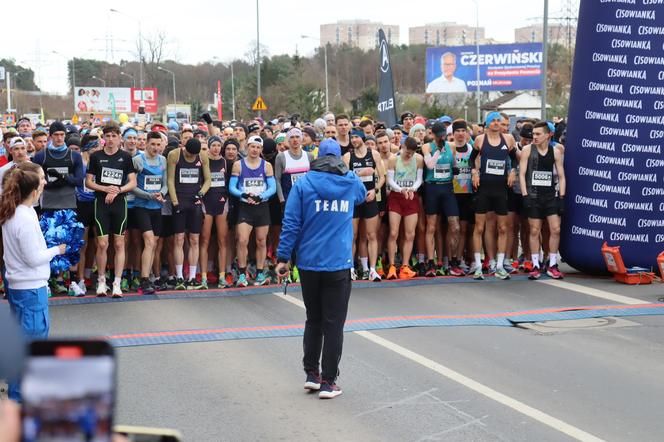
(421, 269)
(146, 287)
(329, 391)
(431, 270)
(313, 381)
(180, 284)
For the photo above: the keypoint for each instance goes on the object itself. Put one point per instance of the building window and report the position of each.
(426, 36)
(437, 37)
(337, 36)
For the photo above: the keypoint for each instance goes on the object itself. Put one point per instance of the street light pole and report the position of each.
(175, 101)
(133, 80)
(477, 50)
(545, 53)
(103, 82)
(233, 89)
(258, 55)
(327, 90)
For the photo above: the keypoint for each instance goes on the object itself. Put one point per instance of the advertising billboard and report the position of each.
(613, 162)
(504, 67)
(102, 99)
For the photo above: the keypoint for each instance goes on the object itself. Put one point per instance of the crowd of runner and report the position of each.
(192, 206)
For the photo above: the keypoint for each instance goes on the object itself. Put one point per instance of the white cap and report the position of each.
(15, 141)
(255, 139)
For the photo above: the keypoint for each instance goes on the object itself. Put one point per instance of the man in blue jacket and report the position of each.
(318, 225)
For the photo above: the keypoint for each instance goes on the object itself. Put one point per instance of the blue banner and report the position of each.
(613, 160)
(506, 67)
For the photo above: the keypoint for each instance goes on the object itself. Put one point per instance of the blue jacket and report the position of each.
(318, 219)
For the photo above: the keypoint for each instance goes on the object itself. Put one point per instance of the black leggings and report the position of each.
(326, 296)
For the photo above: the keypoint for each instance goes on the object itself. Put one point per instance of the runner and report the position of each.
(253, 182)
(188, 181)
(343, 133)
(383, 146)
(111, 175)
(440, 160)
(515, 207)
(404, 176)
(134, 244)
(463, 188)
(216, 211)
(150, 191)
(366, 164)
(538, 162)
(491, 182)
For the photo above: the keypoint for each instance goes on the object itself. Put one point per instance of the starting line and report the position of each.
(507, 319)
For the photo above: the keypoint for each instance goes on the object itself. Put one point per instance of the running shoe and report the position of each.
(464, 268)
(421, 269)
(180, 284)
(379, 267)
(171, 282)
(535, 274)
(478, 275)
(261, 279)
(442, 270)
(374, 276)
(554, 273)
(509, 268)
(492, 267)
(501, 274)
(146, 287)
(228, 281)
(135, 283)
(204, 284)
(392, 273)
(455, 270)
(57, 287)
(527, 266)
(192, 284)
(431, 270)
(75, 290)
(102, 290)
(83, 286)
(117, 291)
(365, 275)
(406, 273)
(313, 381)
(124, 285)
(353, 274)
(295, 274)
(242, 281)
(329, 391)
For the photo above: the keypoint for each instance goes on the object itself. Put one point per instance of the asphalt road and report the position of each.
(573, 380)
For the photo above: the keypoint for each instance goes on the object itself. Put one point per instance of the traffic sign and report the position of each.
(259, 105)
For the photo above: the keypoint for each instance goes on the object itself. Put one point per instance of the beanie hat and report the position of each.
(56, 126)
(193, 146)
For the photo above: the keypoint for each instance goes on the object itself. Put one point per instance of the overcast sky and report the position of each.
(200, 30)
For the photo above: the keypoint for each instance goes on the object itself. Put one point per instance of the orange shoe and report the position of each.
(406, 273)
(392, 272)
(527, 266)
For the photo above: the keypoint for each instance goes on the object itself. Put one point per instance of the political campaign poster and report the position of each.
(613, 158)
(504, 67)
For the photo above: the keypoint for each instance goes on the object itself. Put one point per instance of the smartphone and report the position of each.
(68, 390)
(146, 434)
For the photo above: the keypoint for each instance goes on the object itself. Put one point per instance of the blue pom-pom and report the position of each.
(61, 227)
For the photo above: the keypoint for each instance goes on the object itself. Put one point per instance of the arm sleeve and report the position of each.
(29, 246)
(76, 180)
(390, 180)
(232, 186)
(271, 189)
(279, 163)
(164, 178)
(291, 224)
(138, 167)
(418, 179)
(431, 161)
(473, 156)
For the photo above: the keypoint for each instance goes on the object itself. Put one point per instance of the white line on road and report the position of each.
(593, 292)
(514, 404)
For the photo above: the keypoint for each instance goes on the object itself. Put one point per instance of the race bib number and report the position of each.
(152, 183)
(189, 175)
(464, 174)
(442, 171)
(296, 176)
(218, 179)
(61, 170)
(255, 186)
(111, 176)
(495, 167)
(405, 183)
(364, 178)
(542, 178)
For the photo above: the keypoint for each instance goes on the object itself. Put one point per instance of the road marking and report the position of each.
(467, 382)
(514, 404)
(593, 292)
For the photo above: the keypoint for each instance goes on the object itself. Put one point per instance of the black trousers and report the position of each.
(326, 296)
